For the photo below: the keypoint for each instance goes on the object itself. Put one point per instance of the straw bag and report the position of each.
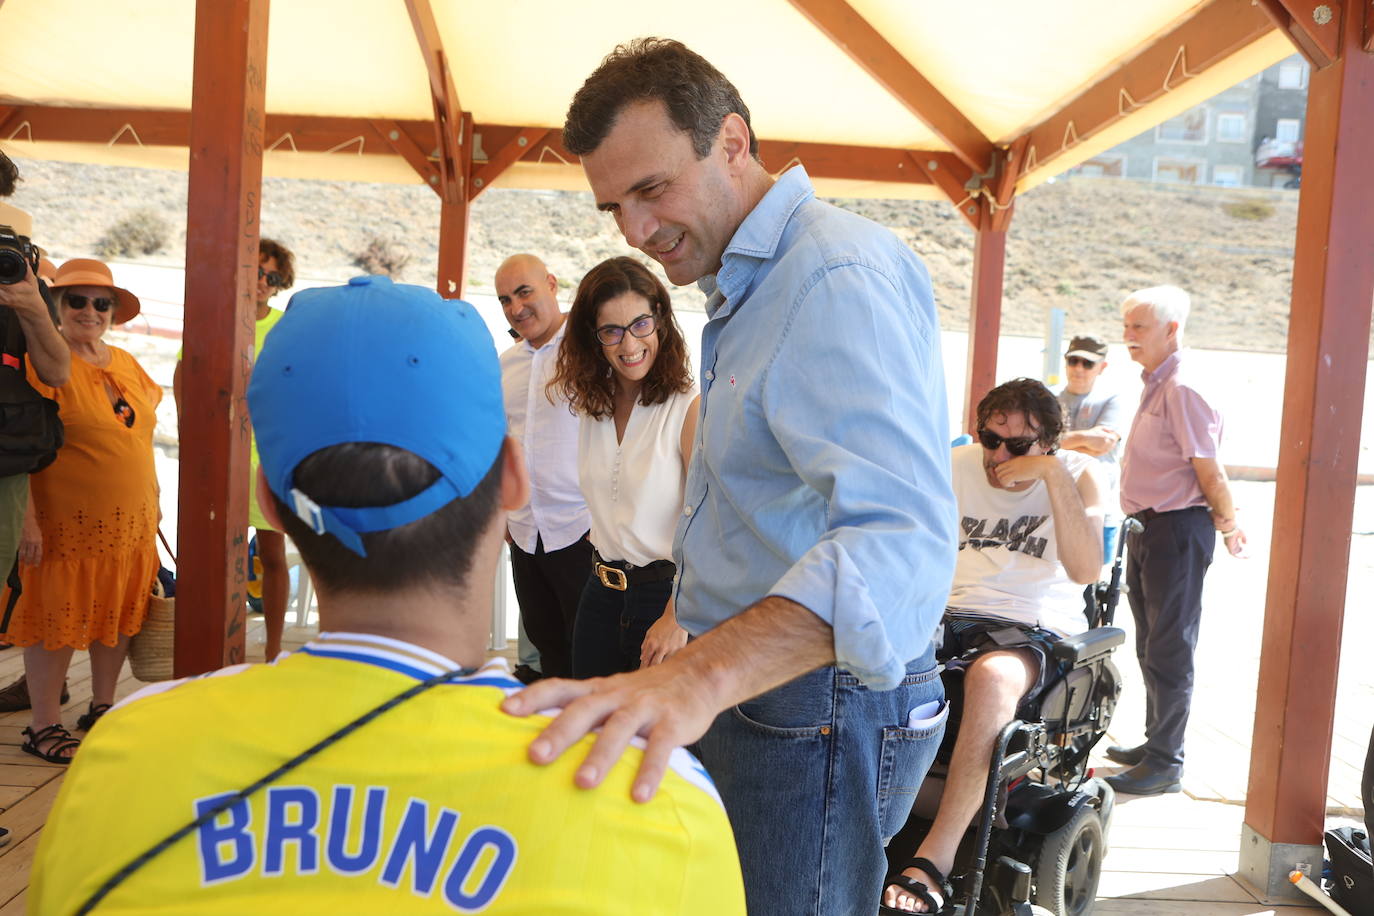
(150, 650)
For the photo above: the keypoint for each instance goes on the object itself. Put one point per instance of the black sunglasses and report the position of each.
(125, 411)
(273, 278)
(1017, 445)
(1080, 361)
(99, 303)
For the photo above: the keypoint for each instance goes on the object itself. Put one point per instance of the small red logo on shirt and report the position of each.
(732, 381)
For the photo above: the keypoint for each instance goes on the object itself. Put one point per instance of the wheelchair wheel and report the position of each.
(1070, 865)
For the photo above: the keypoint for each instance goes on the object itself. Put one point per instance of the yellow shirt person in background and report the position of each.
(384, 456)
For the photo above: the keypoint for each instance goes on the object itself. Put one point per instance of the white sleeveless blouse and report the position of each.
(635, 488)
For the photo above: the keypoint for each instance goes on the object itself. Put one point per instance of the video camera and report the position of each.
(18, 255)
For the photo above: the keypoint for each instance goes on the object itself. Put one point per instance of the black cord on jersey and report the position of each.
(163, 845)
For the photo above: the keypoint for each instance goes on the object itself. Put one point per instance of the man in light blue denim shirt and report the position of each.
(818, 539)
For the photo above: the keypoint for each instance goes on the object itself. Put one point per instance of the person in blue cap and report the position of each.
(372, 770)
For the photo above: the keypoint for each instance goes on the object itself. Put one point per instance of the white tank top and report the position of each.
(635, 488)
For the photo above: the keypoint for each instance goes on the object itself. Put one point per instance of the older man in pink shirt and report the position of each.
(1173, 482)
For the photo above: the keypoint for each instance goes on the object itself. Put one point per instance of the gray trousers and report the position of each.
(1165, 568)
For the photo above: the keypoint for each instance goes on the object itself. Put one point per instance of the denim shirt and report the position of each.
(821, 469)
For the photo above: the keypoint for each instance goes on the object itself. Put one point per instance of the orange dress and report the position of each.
(97, 507)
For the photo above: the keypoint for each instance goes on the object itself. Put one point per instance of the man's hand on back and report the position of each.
(666, 704)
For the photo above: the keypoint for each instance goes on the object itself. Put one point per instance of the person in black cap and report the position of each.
(1093, 419)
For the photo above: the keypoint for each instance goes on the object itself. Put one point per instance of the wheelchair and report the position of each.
(1038, 842)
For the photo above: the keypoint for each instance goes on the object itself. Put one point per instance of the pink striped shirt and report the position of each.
(1173, 425)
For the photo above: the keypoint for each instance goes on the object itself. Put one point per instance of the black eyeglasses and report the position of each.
(273, 278)
(612, 334)
(1080, 361)
(99, 303)
(1017, 445)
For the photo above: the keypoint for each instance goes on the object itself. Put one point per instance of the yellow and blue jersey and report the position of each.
(431, 807)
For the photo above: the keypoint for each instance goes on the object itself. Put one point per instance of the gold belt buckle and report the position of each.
(608, 575)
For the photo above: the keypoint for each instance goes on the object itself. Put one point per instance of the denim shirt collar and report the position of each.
(755, 241)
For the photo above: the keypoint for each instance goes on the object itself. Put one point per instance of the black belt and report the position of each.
(619, 575)
(1145, 516)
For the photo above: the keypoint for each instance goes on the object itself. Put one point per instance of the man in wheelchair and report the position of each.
(1030, 540)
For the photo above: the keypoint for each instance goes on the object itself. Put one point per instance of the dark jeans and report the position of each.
(1164, 572)
(548, 586)
(817, 776)
(611, 625)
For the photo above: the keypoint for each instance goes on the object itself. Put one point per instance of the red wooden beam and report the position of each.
(1328, 344)
(226, 142)
(306, 133)
(509, 153)
(408, 149)
(453, 228)
(1215, 32)
(985, 320)
(1314, 26)
(952, 177)
(432, 45)
(866, 46)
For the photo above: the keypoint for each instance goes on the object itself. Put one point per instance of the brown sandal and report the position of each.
(61, 742)
(16, 696)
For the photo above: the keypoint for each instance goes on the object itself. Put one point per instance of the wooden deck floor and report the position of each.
(1169, 856)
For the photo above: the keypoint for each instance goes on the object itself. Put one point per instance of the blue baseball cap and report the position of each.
(376, 361)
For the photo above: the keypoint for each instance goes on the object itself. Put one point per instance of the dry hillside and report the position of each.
(1077, 244)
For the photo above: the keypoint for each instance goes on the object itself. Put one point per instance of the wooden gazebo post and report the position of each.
(221, 281)
(1328, 351)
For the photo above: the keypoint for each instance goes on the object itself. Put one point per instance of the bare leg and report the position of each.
(45, 669)
(276, 587)
(106, 663)
(993, 687)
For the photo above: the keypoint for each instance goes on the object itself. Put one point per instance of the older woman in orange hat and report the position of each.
(88, 549)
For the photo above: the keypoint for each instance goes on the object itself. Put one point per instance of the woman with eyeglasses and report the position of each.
(623, 368)
(88, 549)
(276, 272)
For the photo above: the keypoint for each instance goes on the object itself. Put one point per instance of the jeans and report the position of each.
(611, 625)
(817, 775)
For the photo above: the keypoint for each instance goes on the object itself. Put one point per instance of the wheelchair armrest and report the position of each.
(1084, 647)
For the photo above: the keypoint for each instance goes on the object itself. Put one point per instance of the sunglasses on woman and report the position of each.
(99, 303)
(273, 278)
(612, 334)
(1017, 445)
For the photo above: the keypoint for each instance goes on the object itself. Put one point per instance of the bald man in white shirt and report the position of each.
(550, 554)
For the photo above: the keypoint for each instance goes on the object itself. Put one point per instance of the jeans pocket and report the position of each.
(907, 754)
(803, 708)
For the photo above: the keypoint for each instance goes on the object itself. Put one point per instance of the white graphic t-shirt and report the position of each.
(1008, 565)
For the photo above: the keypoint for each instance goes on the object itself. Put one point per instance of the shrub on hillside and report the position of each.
(139, 232)
(387, 257)
(1249, 209)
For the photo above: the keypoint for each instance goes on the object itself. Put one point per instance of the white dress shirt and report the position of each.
(556, 512)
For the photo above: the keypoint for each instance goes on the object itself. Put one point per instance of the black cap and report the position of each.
(1088, 347)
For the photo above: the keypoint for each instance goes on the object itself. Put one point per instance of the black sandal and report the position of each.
(62, 742)
(91, 716)
(919, 889)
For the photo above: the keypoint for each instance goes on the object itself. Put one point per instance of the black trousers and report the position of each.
(1164, 572)
(548, 586)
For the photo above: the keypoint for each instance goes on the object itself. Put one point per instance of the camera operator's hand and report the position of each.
(24, 296)
(30, 541)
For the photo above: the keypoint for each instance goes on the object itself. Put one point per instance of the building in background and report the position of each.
(1220, 141)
